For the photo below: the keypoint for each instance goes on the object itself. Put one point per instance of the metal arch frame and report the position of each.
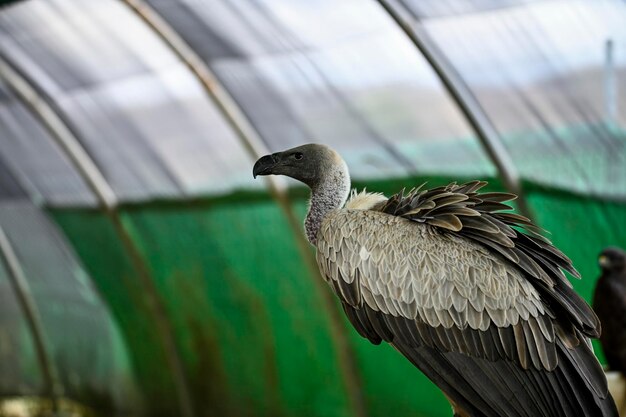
(43, 107)
(253, 143)
(463, 97)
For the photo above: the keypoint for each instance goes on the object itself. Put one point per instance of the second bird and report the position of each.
(609, 302)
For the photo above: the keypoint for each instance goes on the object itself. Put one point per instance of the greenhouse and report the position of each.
(144, 272)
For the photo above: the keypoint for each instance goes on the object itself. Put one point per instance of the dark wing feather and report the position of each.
(482, 385)
(461, 209)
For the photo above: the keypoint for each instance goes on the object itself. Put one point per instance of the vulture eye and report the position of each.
(603, 260)
(298, 155)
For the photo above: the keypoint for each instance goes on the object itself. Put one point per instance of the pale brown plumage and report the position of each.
(472, 296)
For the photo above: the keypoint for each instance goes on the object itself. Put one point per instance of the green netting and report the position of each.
(96, 242)
(233, 281)
(250, 328)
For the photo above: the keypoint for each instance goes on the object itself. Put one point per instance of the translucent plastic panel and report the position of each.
(71, 44)
(156, 134)
(137, 110)
(336, 73)
(84, 343)
(222, 29)
(239, 28)
(19, 369)
(31, 162)
(438, 8)
(541, 76)
(9, 187)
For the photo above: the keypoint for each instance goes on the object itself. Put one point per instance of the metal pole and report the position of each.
(43, 107)
(610, 86)
(255, 147)
(462, 95)
(33, 318)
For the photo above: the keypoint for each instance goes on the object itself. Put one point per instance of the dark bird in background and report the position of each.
(609, 302)
(472, 295)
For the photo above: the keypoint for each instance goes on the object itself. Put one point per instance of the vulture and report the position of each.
(609, 302)
(469, 293)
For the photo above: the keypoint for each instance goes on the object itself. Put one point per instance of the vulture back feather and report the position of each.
(481, 217)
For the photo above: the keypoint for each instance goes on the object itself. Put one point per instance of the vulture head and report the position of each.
(612, 259)
(308, 163)
(319, 167)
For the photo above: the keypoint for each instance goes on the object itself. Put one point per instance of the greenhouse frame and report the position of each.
(143, 271)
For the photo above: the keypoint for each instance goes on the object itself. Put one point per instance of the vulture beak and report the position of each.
(264, 165)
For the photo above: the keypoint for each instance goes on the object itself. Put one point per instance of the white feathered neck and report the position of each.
(331, 192)
(327, 194)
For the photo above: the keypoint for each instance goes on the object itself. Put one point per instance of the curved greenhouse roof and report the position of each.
(144, 272)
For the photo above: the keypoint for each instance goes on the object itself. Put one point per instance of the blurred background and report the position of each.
(143, 272)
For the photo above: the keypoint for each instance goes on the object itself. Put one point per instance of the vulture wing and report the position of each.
(480, 307)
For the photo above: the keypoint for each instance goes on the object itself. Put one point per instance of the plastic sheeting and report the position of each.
(354, 82)
(32, 162)
(86, 350)
(19, 370)
(135, 108)
(539, 70)
(442, 8)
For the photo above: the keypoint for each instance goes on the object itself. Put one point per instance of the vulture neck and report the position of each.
(327, 194)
